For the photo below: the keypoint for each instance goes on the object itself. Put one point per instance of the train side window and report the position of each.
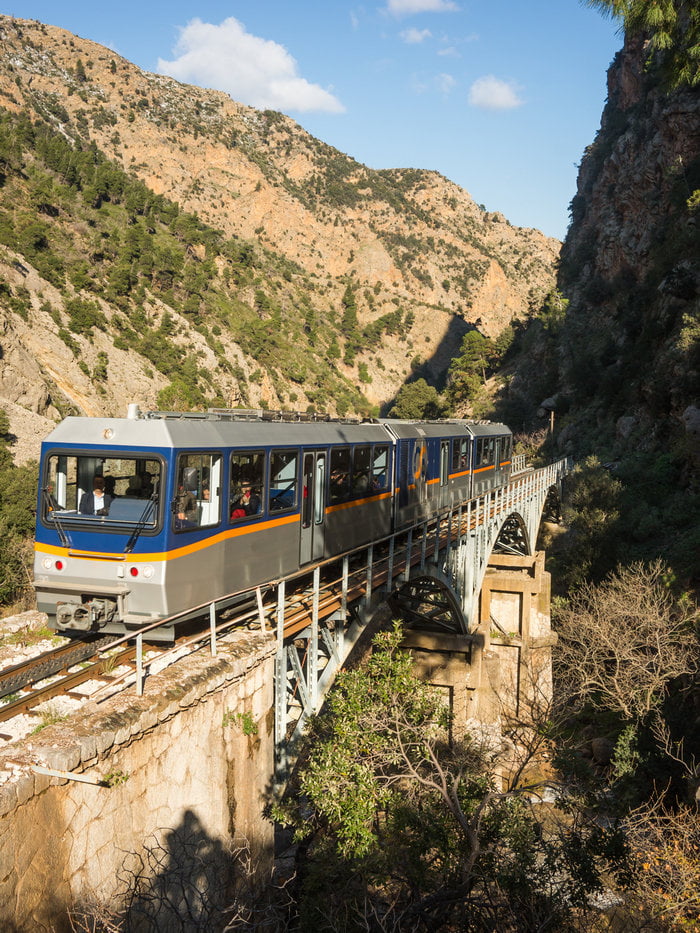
(380, 467)
(246, 483)
(197, 502)
(339, 487)
(507, 448)
(360, 470)
(460, 454)
(283, 480)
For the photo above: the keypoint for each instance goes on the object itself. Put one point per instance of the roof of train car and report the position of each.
(455, 428)
(155, 432)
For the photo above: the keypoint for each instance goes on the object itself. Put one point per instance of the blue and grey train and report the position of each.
(196, 506)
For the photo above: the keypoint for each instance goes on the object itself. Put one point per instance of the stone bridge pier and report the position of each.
(502, 669)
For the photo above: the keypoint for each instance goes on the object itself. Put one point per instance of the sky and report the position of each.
(499, 96)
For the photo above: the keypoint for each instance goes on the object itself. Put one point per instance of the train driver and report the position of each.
(96, 502)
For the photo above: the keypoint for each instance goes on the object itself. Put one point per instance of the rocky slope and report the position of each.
(624, 362)
(403, 238)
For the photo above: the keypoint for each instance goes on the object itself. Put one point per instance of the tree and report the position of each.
(467, 372)
(417, 400)
(416, 832)
(623, 642)
(17, 500)
(673, 28)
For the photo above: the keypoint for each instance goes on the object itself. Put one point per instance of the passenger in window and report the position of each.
(110, 482)
(338, 485)
(248, 503)
(96, 502)
(185, 509)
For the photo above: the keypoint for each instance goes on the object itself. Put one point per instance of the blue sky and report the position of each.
(501, 96)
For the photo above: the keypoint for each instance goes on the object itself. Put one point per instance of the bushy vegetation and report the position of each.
(18, 487)
(405, 830)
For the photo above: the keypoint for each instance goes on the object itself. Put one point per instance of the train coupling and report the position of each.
(84, 617)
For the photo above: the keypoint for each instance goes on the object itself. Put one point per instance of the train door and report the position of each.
(497, 457)
(313, 506)
(444, 473)
(420, 477)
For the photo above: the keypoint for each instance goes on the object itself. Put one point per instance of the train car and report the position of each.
(443, 463)
(143, 517)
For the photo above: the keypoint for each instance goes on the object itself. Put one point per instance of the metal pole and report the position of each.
(280, 688)
(409, 549)
(390, 566)
(139, 665)
(368, 580)
(312, 660)
(212, 628)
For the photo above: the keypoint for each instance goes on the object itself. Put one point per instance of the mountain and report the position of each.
(296, 277)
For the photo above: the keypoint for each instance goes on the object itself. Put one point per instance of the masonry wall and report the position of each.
(191, 760)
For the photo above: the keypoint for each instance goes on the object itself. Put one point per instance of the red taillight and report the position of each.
(134, 571)
(59, 565)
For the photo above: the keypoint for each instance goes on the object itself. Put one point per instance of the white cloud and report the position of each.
(491, 93)
(414, 36)
(409, 7)
(445, 83)
(254, 71)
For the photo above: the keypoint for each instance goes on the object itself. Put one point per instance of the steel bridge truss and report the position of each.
(431, 572)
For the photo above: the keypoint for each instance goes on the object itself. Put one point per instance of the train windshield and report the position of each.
(113, 489)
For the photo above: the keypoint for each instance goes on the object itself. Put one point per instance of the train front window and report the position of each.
(104, 488)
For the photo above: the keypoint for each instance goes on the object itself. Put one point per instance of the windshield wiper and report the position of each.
(142, 522)
(51, 514)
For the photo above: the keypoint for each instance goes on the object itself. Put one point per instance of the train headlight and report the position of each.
(51, 563)
(148, 572)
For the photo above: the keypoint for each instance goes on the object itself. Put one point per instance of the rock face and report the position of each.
(401, 237)
(630, 346)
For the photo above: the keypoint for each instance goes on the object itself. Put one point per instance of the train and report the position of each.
(147, 516)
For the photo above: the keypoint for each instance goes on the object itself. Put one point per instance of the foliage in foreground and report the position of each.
(17, 500)
(406, 830)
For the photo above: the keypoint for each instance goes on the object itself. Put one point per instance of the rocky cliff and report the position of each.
(623, 363)
(631, 261)
(400, 239)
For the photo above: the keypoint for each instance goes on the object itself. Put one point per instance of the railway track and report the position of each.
(16, 678)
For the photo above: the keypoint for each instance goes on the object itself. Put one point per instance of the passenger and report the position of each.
(135, 486)
(186, 509)
(339, 485)
(51, 502)
(110, 482)
(96, 502)
(248, 503)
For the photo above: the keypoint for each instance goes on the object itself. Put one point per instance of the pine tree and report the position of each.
(673, 28)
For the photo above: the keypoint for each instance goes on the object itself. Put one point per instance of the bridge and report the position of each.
(195, 756)
(431, 573)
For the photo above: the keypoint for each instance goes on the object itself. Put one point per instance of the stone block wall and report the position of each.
(189, 763)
